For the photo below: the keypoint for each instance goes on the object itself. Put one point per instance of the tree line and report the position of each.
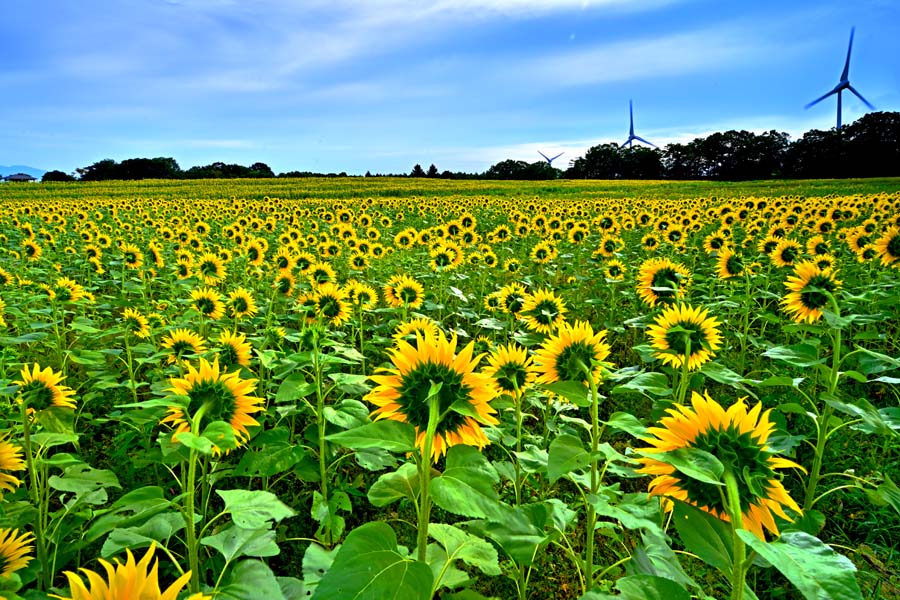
(869, 147)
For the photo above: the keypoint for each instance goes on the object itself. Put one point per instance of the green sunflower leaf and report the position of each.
(817, 571)
(567, 454)
(466, 547)
(573, 391)
(656, 384)
(799, 355)
(254, 509)
(466, 486)
(389, 435)
(235, 542)
(704, 535)
(369, 565)
(643, 587)
(250, 579)
(695, 463)
(390, 487)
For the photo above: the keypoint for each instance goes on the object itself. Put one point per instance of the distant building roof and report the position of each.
(19, 177)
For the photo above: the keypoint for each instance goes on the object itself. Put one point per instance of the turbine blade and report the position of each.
(858, 95)
(820, 98)
(630, 119)
(846, 71)
(640, 139)
(544, 155)
(557, 156)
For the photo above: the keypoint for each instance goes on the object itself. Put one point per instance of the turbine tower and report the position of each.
(548, 159)
(631, 136)
(843, 84)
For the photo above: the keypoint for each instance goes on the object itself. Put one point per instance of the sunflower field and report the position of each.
(416, 389)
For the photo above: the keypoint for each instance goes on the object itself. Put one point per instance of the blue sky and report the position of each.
(340, 85)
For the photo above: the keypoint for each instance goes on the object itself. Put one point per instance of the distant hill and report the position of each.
(12, 170)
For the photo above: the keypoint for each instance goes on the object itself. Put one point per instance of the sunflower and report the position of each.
(543, 252)
(661, 280)
(680, 325)
(13, 550)
(402, 290)
(182, 342)
(402, 392)
(888, 247)
(512, 265)
(5, 277)
(319, 273)
(807, 287)
(737, 437)
(131, 580)
(614, 270)
(208, 302)
(284, 259)
(407, 331)
(543, 311)
(11, 459)
(729, 264)
(256, 251)
(136, 323)
(68, 290)
(510, 368)
(562, 356)
(241, 303)
(40, 390)
(235, 350)
(364, 295)
(786, 253)
(331, 304)
(31, 249)
(512, 298)
(183, 268)
(222, 396)
(650, 242)
(2, 313)
(284, 283)
(132, 256)
(210, 268)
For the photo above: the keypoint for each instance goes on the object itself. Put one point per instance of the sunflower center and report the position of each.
(442, 259)
(205, 306)
(209, 268)
(678, 340)
(511, 376)
(239, 304)
(329, 306)
(668, 279)
(614, 270)
(893, 246)
(181, 347)
(545, 312)
(733, 265)
(130, 258)
(813, 295)
(408, 295)
(789, 254)
(741, 455)
(228, 356)
(218, 399)
(572, 359)
(416, 387)
(37, 395)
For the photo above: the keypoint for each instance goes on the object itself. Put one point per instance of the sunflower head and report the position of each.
(181, 343)
(543, 311)
(662, 281)
(41, 389)
(331, 304)
(572, 349)
(208, 302)
(407, 331)
(215, 396)
(131, 580)
(241, 303)
(737, 438)
(135, 323)
(404, 291)
(235, 350)
(809, 288)
(11, 459)
(14, 549)
(888, 247)
(510, 368)
(404, 392)
(684, 333)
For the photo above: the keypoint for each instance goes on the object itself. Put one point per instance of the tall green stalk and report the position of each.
(189, 490)
(39, 497)
(425, 474)
(595, 479)
(739, 567)
(321, 422)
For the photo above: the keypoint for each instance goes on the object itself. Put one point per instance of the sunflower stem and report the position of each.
(39, 498)
(189, 491)
(434, 413)
(685, 370)
(822, 433)
(517, 401)
(130, 364)
(595, 480)
(321, 422)
(738, 569)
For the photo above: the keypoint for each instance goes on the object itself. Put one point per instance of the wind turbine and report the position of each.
(843, 84)
(631, 136)
(548, 159)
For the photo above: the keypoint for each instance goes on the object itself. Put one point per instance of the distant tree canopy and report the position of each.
(869, 147)
(56, 176)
